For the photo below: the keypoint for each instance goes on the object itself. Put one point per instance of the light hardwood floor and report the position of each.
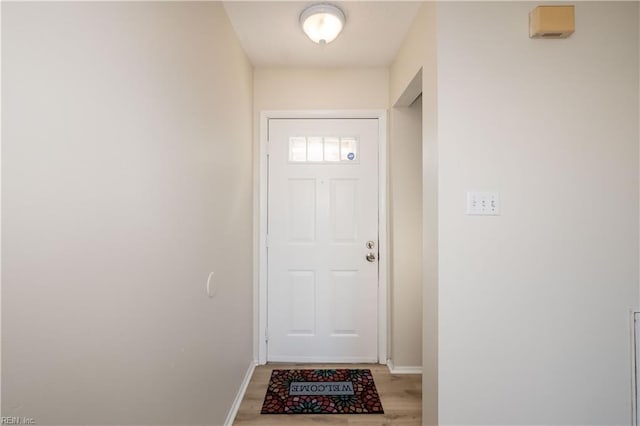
(401, 396)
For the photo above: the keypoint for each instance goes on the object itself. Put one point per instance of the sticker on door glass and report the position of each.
(322, 150)
(348, 149)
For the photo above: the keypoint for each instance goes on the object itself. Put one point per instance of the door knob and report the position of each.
(371, 257)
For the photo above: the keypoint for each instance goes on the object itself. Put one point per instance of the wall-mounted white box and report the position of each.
(483, 203)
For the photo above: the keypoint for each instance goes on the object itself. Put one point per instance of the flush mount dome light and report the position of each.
(322, 22)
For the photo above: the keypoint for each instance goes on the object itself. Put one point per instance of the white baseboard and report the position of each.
(403, 369)
(322, 360)
(238, 400)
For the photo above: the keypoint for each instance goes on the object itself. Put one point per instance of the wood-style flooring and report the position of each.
(401, 396)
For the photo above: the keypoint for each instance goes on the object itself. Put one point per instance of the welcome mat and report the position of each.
(340, 391)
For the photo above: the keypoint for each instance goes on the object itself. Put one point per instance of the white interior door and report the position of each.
(322, 224)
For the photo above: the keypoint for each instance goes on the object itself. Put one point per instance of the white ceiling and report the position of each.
(271, 35)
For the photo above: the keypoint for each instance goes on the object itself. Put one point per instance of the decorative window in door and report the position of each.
(323, 150)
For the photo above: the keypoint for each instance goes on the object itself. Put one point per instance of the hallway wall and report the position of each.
(319, 88)
(533, 315)
(126, 179)
(405, 234)
(286, 88)
(312, 89)
(534, 300)
(417, 57)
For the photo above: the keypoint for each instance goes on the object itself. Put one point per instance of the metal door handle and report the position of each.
(371, 257)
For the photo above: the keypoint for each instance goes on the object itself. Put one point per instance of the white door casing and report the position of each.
(322, 225)
(326, 302)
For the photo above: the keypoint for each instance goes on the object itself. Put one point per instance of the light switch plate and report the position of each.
(483, 203)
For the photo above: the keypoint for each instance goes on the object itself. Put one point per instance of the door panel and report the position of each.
(343, 286)
(302, 291)
(302, 210)
(343, 210)
(322, 209)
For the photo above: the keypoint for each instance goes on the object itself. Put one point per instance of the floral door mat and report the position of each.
(341, 391)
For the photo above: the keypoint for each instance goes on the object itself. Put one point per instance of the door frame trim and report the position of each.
(260, 222)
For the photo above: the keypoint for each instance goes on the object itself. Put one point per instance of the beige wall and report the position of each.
(126, 180)
(306, 88)
(534, 303)
(364, 89)
(531, 302)
(313, 89)
(418, 55)
(405, 234)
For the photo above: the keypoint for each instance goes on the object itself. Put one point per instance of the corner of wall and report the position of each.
(418, 56)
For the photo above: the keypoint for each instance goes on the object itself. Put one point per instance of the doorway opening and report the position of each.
(330, 197)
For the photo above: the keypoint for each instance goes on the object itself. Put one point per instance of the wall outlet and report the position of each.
(483, 203)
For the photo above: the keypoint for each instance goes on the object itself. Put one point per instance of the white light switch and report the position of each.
(483, 203)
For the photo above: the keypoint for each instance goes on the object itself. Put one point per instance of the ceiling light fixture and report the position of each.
(322, 22)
